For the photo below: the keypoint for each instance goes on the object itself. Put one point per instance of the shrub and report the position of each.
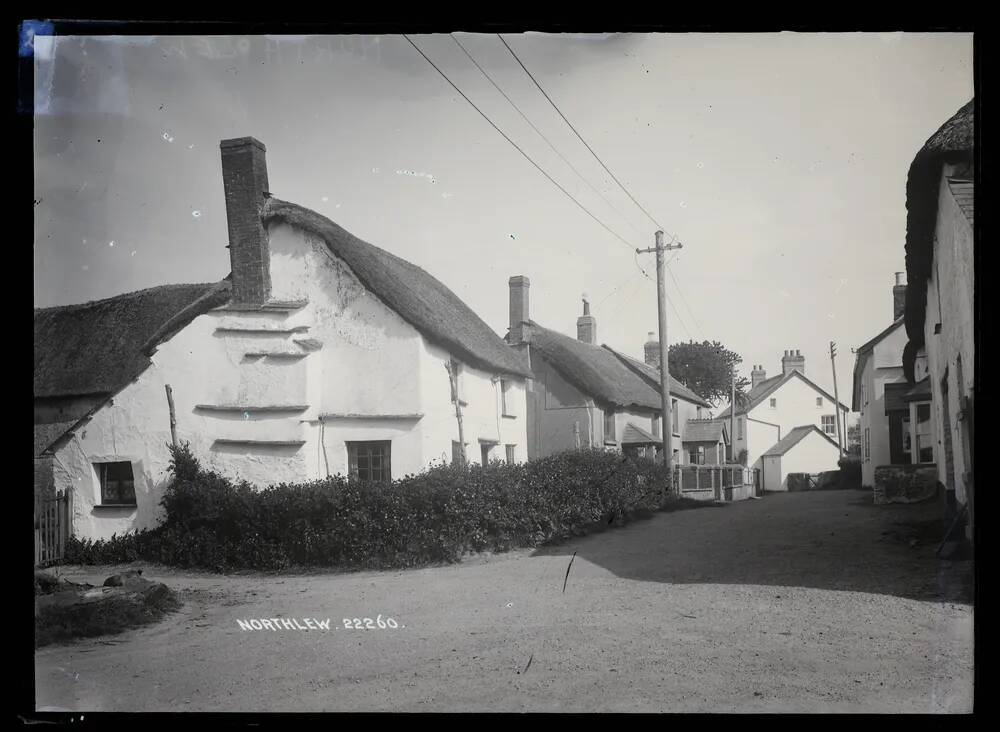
(434, 516)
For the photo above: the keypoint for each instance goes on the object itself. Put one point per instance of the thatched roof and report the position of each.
(415, 295)
(599, 372)
(46, 434)
(99, 347)
(953, 142)
(652, 374)
(794, 437)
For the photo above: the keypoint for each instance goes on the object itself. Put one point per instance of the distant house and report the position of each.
(586, 395)
(895, 417)
(780, 404)
(940, 306)
(319, 354)
(805, 449)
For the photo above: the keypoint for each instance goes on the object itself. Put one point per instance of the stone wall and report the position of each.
(905, 483)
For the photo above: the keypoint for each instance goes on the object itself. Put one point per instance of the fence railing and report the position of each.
(715, 479)
(52, 527)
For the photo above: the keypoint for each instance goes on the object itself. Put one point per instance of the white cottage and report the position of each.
(319, 354)
(805, 449)
(780, 404)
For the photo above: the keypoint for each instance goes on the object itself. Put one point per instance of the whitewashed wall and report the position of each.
(358, 357)
(951, 285)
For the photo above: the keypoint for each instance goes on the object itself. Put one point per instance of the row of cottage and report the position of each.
(322, 354)
(914, 382)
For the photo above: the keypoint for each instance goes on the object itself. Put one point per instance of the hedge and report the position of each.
(431, 517)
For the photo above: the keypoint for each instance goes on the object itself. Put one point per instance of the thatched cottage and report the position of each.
(319, 354)
(587, 395)
(940, 301)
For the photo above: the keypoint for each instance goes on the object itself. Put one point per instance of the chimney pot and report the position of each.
(898, 297)
(244, 178)
(899, 278)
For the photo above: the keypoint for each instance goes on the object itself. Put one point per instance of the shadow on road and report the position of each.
(833, 540)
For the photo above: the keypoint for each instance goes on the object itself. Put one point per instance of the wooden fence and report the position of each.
(52, 527)
(716, 481)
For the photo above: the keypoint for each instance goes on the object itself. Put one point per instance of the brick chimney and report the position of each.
(519, 317)
(793, 361)
(757, 376)
(898, 297)
(651, 351)
(244, 177)
(586, 324)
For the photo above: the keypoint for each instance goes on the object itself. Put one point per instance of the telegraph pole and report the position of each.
(836, 396)
(661, 291)
(732, 419)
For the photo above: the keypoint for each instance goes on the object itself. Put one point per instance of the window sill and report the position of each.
(509, 416)
(116, 505)
(611, 443)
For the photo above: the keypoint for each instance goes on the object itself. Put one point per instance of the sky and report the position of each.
(779, 161)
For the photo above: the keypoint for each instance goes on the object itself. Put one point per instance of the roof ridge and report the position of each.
(122, 296)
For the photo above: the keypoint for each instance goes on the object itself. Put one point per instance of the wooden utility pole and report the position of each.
(456, 398)
(732, 419)
(836, 396)
(661, 292)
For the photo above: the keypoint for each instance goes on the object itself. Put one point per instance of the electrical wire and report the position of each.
(596, 157)
(542, 135)
(517, 147)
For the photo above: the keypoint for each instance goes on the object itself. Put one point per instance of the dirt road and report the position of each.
(807, 602)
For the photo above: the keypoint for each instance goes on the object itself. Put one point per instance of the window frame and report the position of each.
(832, 424)
(354, 458)
(504, 405)
(819, 402)
(102, 482)
(773, 403)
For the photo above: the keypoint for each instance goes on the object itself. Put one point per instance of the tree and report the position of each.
(707, 368)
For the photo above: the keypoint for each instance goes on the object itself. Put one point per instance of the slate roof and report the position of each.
(863, 352)
(704, 430)
(794, 437)
(636, 435)
(769, 386)
(963, 190)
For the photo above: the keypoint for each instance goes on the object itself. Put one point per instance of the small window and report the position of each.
(370, 461)
(117, 484)
(610, 433)
(510, 454)
(774, 402)
(829, 424)
(655, 425)
(674, 417)
(819, 401)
